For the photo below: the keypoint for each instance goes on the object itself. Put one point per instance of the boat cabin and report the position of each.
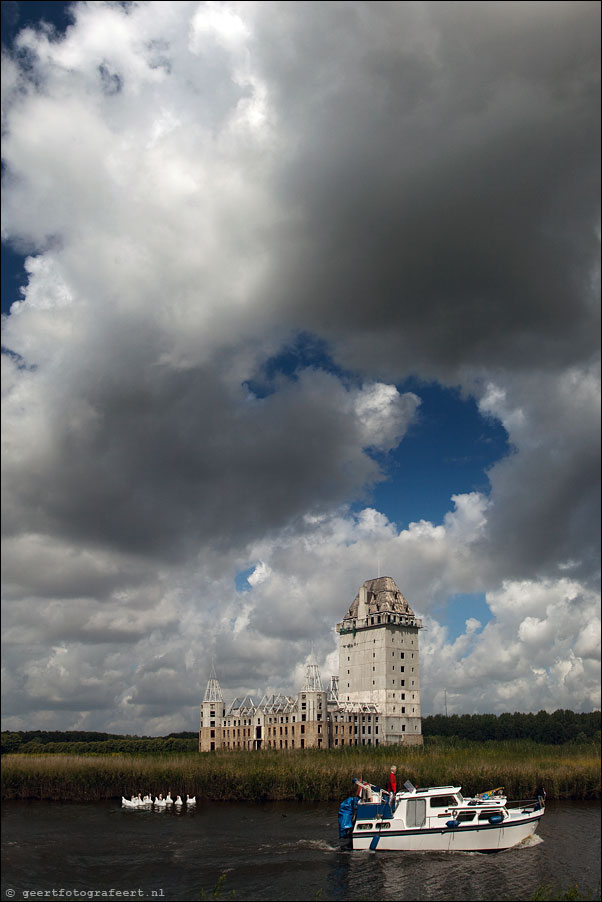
(429, 808)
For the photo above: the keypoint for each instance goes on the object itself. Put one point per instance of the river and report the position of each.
(270, 851)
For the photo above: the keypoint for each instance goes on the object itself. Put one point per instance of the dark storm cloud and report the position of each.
(170, 460)
(443, 169)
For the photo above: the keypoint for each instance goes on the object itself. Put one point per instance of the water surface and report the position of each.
(271, 851)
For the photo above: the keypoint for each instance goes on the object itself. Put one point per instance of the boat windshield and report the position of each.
(460, 798)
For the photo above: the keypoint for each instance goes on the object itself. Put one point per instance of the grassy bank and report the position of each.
(566, 772)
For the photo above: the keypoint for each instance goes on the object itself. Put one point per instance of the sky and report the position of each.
(295, 295)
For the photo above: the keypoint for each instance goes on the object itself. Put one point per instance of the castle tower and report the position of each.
(212, 714)
(378, 660)
(312, 707)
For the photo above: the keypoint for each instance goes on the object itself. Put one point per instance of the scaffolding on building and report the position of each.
(313, 680)
(213, 693)
(278, 704)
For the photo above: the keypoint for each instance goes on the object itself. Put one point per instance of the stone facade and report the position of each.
(379, 659)
(374, 701)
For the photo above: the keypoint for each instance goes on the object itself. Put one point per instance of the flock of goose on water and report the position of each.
(159, 802)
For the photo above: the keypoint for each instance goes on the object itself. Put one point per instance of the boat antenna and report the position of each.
(446, 702)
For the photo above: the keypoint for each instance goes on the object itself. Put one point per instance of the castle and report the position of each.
(375, 700)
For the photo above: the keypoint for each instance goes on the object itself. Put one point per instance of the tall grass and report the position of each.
(566, 772)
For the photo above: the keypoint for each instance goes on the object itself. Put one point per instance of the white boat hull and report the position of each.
(482, 838)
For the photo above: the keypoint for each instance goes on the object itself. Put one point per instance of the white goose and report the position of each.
(191, 801)
(160, 801)
(179, 802)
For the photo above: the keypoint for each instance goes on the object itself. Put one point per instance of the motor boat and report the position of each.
(436, 819)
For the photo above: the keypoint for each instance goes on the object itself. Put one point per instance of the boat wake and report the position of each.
(531, 841)
(316, 844)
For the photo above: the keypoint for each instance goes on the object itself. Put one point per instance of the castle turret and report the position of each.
(312, 707)
(212, 714)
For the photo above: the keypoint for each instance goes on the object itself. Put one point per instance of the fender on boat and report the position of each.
(347, 815)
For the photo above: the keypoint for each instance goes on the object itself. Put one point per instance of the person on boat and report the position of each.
(392, 786)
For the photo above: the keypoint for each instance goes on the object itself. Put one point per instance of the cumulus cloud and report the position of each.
(195, 185)
(544, 640)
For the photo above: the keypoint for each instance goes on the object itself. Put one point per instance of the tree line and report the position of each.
(553, 729)
(80, 742)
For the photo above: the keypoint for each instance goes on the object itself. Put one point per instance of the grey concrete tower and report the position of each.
(378, 660)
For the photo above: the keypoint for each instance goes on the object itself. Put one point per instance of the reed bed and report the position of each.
(566, 772)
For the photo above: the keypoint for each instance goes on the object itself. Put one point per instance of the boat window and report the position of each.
(364, 826)
(485, 815)
(384, 825)
(465, 816)
(415, 812)
(443, 801)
